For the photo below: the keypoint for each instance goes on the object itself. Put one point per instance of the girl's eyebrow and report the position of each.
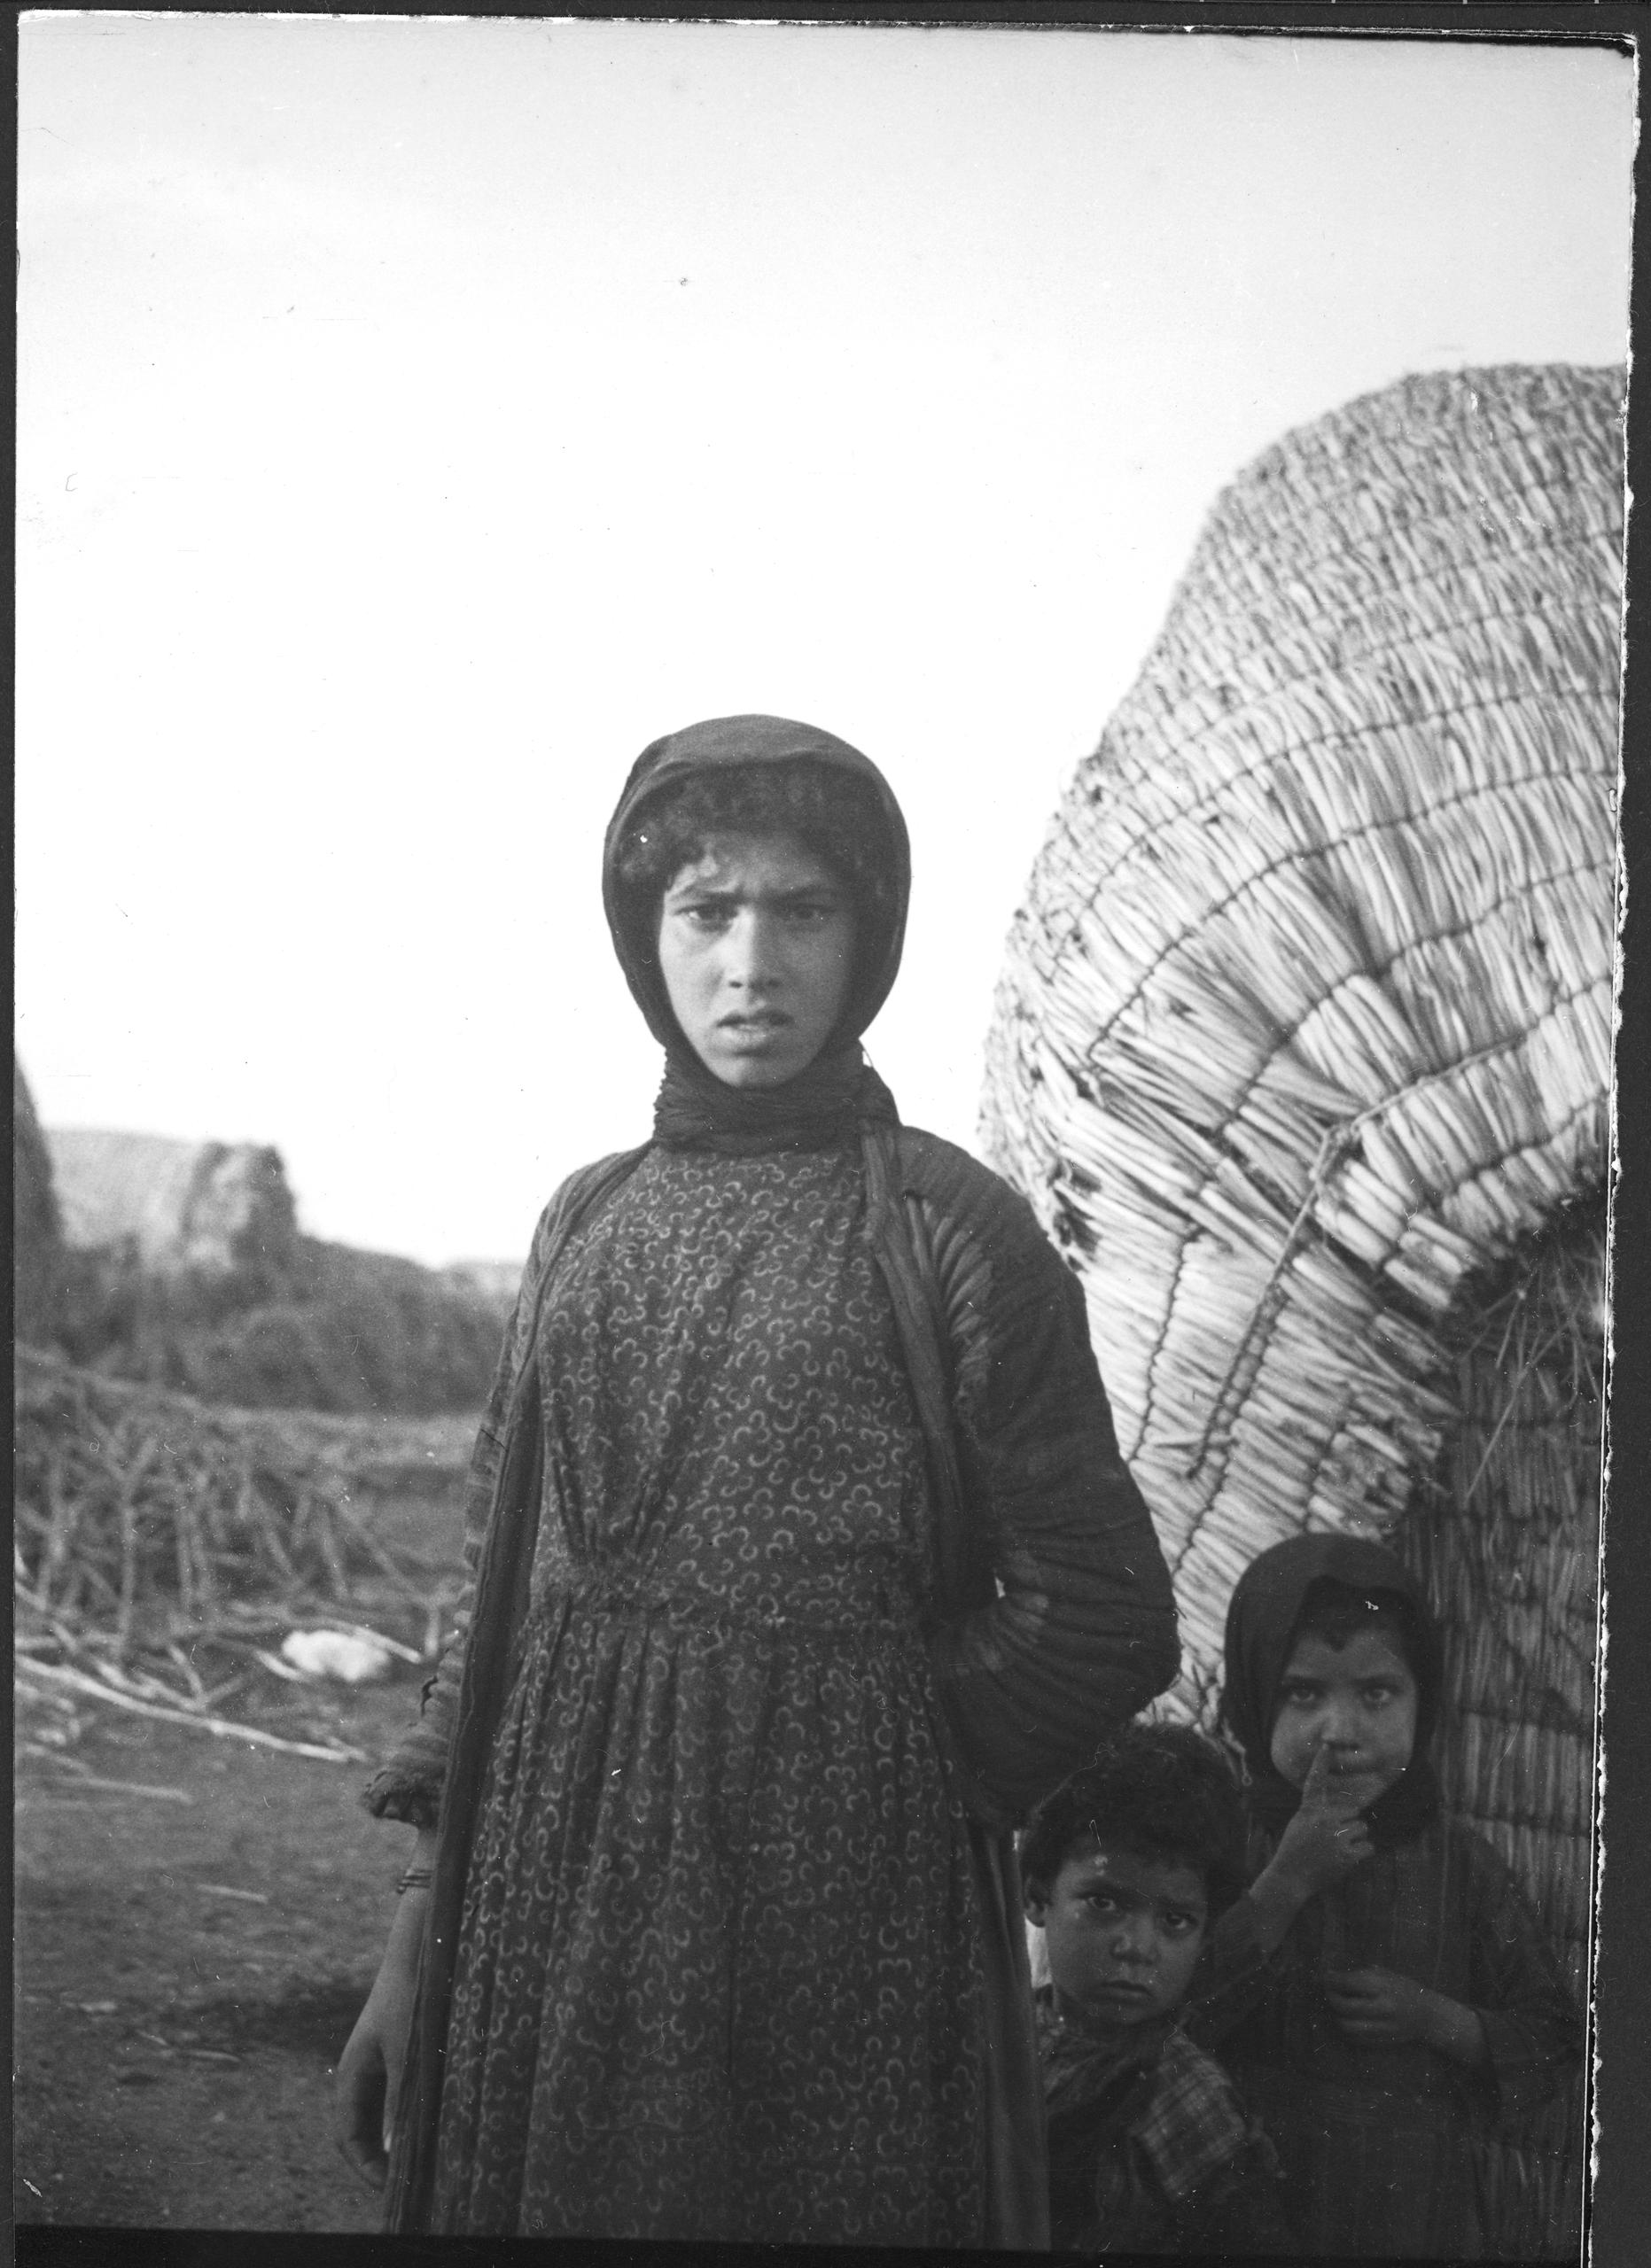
(722, 894)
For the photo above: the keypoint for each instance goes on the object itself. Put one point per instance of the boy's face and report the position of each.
(1123, 1933)
(1358, 1702)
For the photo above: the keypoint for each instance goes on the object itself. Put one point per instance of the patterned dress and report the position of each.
(717, 1969)
(727, 1963)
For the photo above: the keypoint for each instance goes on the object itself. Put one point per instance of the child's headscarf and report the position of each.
(838, 1089)
(1261, 1620)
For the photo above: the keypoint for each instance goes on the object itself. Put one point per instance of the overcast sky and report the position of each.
(418, 417)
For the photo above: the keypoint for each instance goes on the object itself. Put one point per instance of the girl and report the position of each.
(1383, 1993)
(804, 1562)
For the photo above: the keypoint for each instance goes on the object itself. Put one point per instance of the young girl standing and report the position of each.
(1383, 1994)
(803, 1562)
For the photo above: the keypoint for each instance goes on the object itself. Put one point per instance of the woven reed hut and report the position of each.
(1302, 1052)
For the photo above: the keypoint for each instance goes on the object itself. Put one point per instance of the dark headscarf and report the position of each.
(838, 1091)
(1267, 1605)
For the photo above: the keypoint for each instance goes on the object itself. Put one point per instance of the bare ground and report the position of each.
(197, 1922)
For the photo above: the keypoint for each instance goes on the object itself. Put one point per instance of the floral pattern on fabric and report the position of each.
(720, 1972)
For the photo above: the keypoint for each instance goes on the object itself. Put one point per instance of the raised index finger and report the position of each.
(1315, 1788)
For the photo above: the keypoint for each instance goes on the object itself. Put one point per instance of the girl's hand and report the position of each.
(1326, 1837)
(1377, 2007)
(369, 2070)
(368, 2076)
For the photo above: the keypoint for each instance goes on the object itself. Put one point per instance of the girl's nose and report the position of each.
(749, 961)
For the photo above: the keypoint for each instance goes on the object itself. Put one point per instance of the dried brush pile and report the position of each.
(162, 1549)
(1302, 1049)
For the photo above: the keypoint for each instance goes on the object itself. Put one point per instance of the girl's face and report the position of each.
(1358, 1701)
(756, 948)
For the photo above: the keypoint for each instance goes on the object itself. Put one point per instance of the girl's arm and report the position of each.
(370, 2069)
(1237, 1971)
(1519, 2025)
(408, 1787)
(1325, 1838)
(1533, 2028)
(1081, 1632)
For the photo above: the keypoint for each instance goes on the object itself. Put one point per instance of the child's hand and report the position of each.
(1379, 2009)
(1326, 1838)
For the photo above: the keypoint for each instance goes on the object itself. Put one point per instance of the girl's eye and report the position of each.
(1177, 1925)
(1298, 1697)
(1103, 1901)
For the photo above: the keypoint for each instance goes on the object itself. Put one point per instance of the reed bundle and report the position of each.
(1307, 1012)
(1303, 1041)
(161, 1548)
(1506, 1540)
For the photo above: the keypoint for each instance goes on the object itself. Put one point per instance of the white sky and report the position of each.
(418, 417)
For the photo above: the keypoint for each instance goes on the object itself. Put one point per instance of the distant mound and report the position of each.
(183, 1265)
(213, 1208)
(36, 1225)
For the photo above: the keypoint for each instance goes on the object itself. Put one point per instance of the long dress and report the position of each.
(720, 1969)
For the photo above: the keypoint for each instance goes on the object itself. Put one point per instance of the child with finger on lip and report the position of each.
(1382, 1993)
(1126, 1865)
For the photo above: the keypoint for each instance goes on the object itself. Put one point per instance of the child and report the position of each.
(1149, 2148)
(1383, 1994)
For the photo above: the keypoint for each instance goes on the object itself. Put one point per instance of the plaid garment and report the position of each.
(1191, 2121)
(1151, 2148)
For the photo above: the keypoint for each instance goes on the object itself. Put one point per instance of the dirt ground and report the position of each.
(197, 1922)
